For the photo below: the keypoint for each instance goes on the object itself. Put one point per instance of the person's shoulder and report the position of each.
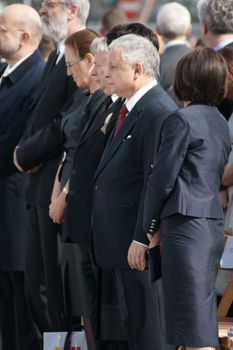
(160, 100)
(178, 118)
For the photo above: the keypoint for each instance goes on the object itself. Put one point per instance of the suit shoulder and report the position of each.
(160, 103)
(177, 119)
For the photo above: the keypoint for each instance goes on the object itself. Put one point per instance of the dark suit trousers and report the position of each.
(42, 271)
(16, 326)
(141, 310)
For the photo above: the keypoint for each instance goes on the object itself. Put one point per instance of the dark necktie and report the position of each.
(121, 118)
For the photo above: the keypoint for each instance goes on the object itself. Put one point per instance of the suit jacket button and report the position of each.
(96, 187)
(73, 172)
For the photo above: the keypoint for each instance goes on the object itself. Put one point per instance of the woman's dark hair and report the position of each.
(227, 53)
(201, 76)
(81, 41)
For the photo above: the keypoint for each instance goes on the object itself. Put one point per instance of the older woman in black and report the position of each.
(183, 198)
(79, 285)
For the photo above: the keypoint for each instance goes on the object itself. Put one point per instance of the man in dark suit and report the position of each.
(55, 91)
(174, 25)
(120, 180)
(216, 22)
(20, 34)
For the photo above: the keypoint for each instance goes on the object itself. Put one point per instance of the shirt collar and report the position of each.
(11, 69)
(176, 42)
(114, 97)
(130, 103)
(222, 44)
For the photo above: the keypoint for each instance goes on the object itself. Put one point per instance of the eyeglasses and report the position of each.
(50, 4)
(72, 63)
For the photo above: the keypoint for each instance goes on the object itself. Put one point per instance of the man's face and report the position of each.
(100, 72)
(121, 74)
(10, 37)
(54, 16)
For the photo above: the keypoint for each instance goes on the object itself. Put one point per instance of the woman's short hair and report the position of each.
(227, 53)
(81, 41)
(201, 76)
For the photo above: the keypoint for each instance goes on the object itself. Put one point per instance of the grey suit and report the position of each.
(183, 192)
(168, 63)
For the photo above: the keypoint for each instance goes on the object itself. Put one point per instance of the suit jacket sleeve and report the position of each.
(10, 138)
(45, 144)
(166, 168)
(150, 142)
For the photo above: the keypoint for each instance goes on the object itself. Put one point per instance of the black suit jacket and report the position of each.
(121, 177)
(78, 216)
(15, 97)
(188, 169)
(54, 93)
(168, 63)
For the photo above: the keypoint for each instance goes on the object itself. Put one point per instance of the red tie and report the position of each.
(121, 118)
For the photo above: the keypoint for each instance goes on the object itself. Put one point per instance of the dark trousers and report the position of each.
(17, 332)
(81, 280)
(43, 272)
(141, 310)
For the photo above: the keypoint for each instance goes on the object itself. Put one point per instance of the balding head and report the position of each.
(20, 31)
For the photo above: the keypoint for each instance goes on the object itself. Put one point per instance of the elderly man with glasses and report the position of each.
(43, 276)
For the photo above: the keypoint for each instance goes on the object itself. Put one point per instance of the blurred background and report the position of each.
(143, 10)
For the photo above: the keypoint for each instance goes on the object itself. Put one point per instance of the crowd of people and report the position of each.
(110, 149)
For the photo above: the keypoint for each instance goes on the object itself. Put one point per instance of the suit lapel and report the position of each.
(2, 68)
(114, 142)
(22, 69)
(88, 130)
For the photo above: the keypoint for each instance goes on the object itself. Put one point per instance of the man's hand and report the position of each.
(136, 256)
(15, 161)
(57, 208)
(224, 198)
(154, 239)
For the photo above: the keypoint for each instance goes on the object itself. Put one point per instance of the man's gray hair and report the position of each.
(137, 49)
(218, 14)
(99, 45)
(173, 20)
(84, 9)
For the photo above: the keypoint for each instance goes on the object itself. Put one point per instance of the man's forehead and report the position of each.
(115, 53)
(7, 21)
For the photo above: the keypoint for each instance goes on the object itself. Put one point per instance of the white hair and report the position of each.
(135, 49)
(173, 20)
(84, 9)
(99, 45)
(218, 14)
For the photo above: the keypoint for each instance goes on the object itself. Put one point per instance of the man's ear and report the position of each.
(25, 37)
(73, 11)
(138, 70)
(90, 58)
(204, 27)
(157, 31)
(188, 31)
